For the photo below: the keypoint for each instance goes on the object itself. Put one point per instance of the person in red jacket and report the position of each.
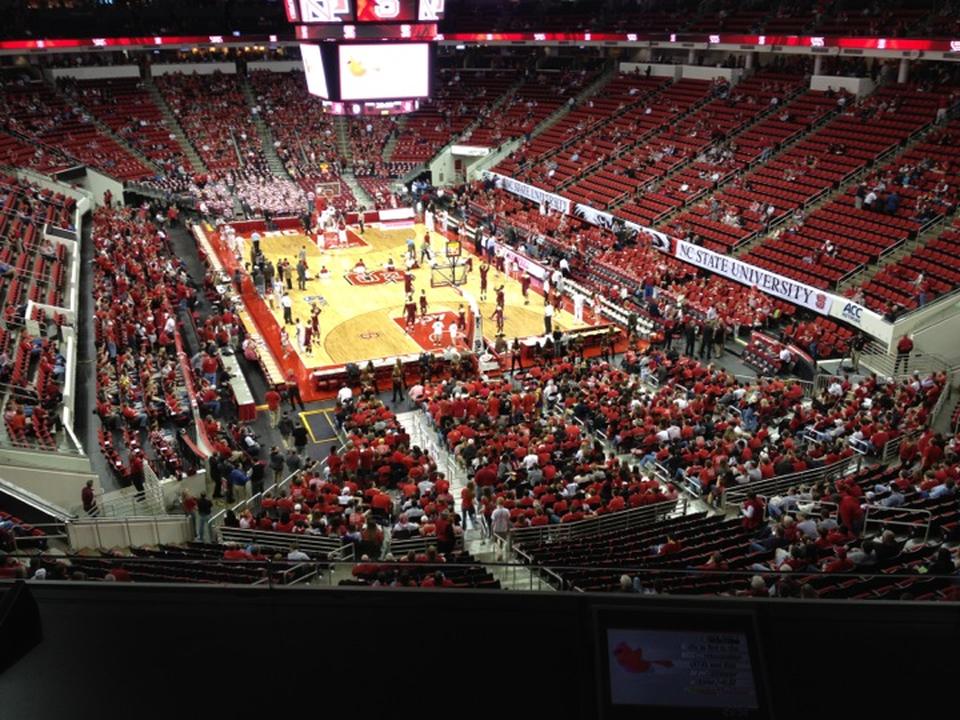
(904, 348)
(850, 513)
(752, 511)
(273, 399)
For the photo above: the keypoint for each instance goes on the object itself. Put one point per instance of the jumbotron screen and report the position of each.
(364, 11)
(384, 71)
(314, 71)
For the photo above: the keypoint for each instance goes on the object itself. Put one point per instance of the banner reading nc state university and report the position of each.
(766, 281)
(534, 194)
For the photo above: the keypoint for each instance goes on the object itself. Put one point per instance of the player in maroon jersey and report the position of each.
(525, 287)
(410, 309)
(408, 282)
(498, 316)
(484, 269)
(423, 304)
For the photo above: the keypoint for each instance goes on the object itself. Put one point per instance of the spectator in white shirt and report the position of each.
(296, 554)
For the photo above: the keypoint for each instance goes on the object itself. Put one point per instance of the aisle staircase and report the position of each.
(173, 125)
(274, 163)
(362, 196)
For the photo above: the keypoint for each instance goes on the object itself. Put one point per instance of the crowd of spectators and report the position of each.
(142, 398)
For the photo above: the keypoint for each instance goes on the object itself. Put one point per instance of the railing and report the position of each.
(874, 515)
(623, 520)
(886, 364)
(36, 502)
(135, 503)
(732, 497)
(268, 539)
(128, 531)
(304, 575)
(217, 518)
(51, 531)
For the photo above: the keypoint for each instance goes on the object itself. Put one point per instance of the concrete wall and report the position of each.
(705, 72)
(442, 169)
(58, 486)
(853, 85)
(97, 184)
(939, 332)
(275, 65)
(97, 73)
(228, 68)
(129, 532)
(670, 71)
(692, 72)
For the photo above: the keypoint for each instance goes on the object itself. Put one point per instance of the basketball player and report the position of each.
(342, 232)
(578, 300)
(408, 282)
(315, 320)
(501, 296)
(525, 287)
(498, 316)
(360, 221)
(285, 343)
(484, 269)
(423, 304)
(308, 340)
(300, 335)
(425, 251)
(462, 316)
(454, 331)
(436, 336)
(410, 308)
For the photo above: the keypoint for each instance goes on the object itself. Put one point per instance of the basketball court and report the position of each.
(362, 300)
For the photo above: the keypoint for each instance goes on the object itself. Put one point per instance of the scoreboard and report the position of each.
(367, 56)
(311, 12)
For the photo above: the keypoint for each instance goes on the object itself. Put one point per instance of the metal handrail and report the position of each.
(912, 525)
(557, 572)
(732, 497)
(239, 507)
(597, 525)
(281, 540)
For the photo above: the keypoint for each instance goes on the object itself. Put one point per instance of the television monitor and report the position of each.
(385, 71)
(678, 664)
(378, 11)
(313, 68)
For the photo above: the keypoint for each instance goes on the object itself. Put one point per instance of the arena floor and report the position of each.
(362, 317)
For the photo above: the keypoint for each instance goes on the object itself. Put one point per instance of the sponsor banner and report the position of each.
(772, 284)
(534, 194)
(470, 150)
(391, 214)
(524, 263)
(872, 323)
(657, 240)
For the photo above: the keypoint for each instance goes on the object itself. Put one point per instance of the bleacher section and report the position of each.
(128, 109)
(36, 111)
(31, 268)
(216, 118)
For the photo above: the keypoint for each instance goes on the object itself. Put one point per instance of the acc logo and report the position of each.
(820, 300)
(369, 335)
(318, 299)
(852, 312)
